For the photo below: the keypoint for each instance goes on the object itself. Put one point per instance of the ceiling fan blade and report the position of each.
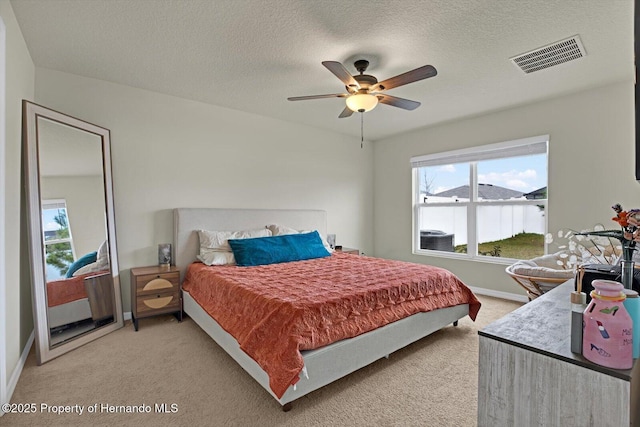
(405, 78)
(304, 98)
(394, 101)
(345, 113)
(340, 72)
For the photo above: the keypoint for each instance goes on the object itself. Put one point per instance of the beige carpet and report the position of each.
(430, 383)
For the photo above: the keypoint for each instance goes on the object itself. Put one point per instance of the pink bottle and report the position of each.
(608, 328)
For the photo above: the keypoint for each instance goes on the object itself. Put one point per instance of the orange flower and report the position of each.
(621, 218)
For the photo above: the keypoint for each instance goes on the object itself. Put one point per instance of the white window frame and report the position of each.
(520, 147)
(53, 204)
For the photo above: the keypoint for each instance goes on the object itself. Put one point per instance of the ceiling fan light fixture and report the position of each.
(362, 102)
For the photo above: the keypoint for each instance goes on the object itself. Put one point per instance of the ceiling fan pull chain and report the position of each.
(361, 130)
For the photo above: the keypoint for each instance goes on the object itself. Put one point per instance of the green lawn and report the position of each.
(520, 246)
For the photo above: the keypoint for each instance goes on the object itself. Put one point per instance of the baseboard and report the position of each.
(127, 315)
(15, 376)
(499, 294)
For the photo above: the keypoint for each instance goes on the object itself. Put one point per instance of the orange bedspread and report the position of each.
(274, 311)
(66, 290)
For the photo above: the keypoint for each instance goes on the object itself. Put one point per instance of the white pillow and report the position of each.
(103, 254)
(91, 268)
(101, 263)
(281, 230)
(214, 245)
(526, 269)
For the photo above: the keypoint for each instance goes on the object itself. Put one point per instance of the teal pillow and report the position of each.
(276, 249)
(81, 262)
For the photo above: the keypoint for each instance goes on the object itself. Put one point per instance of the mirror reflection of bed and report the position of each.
(89, 307)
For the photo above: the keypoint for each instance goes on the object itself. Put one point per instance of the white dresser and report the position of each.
(528, 375)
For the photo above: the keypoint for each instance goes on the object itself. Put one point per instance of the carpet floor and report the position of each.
(432, 382)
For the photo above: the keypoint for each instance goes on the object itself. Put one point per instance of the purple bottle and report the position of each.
(608, 329)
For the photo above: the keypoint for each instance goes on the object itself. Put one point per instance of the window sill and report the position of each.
(465, 257)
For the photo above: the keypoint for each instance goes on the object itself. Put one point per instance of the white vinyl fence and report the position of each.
(494, 222)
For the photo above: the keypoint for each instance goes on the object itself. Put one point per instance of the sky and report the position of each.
(524, 174)
(48, 223)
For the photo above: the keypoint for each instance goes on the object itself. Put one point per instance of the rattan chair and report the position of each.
(535, 286)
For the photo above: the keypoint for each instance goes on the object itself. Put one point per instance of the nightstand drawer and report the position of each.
(158, 303)
(162, 282)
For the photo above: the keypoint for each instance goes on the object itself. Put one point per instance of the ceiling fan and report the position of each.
(364, 91)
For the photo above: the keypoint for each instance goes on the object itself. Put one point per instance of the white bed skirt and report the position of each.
(70, 312)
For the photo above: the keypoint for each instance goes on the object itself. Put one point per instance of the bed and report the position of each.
(84, 293)
(320, 366)
(78, 298)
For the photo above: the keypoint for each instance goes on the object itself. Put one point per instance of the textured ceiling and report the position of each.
(252, 55)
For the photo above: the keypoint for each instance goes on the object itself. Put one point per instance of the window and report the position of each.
(488, 201)
(58, 245)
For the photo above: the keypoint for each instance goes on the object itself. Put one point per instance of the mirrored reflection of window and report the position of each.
(488, 201)
(58, 244)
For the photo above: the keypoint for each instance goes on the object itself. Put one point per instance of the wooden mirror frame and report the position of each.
(30, 114)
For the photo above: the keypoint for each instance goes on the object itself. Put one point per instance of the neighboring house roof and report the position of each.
(540, 193)
(485, 191)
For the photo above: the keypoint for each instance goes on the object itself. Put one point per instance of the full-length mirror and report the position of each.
(74, 264)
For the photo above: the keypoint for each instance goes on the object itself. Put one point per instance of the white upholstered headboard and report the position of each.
(187, 220)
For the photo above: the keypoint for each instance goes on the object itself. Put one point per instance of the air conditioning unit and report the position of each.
(436, 240)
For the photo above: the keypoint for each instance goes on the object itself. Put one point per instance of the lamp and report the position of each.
(362, 102)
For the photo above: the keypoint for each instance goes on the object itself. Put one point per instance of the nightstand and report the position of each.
(348, 250)
(155, 290)
(99, 290)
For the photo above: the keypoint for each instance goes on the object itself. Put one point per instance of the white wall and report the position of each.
(84, 195)
(591, 167)
(169, 152)
(15, 296)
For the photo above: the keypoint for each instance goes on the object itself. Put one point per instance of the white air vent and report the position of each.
(550, 55)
